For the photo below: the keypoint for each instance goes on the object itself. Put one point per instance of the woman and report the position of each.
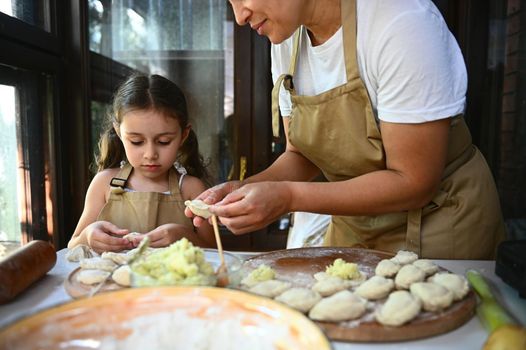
(372, 93)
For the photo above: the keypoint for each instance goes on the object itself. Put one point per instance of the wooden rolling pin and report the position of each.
(23, 267)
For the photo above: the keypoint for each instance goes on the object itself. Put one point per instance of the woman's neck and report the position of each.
(324, 21)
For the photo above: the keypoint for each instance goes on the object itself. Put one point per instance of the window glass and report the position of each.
(10, 228)
(188, 42)
(29, 11)
(98, 118)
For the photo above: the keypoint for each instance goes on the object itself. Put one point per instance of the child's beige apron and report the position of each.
(337, 131)
(143, 211)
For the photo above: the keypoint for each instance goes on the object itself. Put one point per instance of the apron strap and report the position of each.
(350, 22)
(118, 183)
(173, 181)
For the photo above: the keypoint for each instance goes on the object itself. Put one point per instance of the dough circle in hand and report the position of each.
(130, 236)
(92, 276)
(400, 307)
(434, 297)
(341, 306)
(387, 268)
(407, 275)
(302, 299)
(376, 287)
(199, 208)
(404, 257)
(427, 266)
(270, 288)
(455, 283)
(329, 285)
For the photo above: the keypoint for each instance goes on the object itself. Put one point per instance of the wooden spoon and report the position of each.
(222, 271)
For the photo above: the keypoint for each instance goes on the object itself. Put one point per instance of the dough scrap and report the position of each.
(455, 283)
(387, 268)
(408, 275)
(376, 287)
(92, 276)
(78, 253)
(434, 297)
(341, 306)
(400, 307)
(270, 288)
(199, 208)
(404, 257)
(426, 265)
(329, 285)
(97, 263)
(302, 299)
(122, 275)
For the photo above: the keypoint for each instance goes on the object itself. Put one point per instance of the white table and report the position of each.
(49, 291)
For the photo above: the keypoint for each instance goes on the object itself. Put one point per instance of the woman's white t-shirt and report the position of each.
(408, 59)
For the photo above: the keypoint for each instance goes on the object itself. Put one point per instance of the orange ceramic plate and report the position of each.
(167, 318)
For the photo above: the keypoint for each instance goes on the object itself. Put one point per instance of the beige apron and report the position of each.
(337, 131)
(143, 211)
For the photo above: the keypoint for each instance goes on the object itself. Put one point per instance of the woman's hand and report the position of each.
(165, 235)
(101, 237)
(253, 206)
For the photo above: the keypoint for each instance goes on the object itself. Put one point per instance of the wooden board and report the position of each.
(299, 265)
(79, 290)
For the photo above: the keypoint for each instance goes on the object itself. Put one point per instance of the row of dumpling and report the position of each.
(95, 269)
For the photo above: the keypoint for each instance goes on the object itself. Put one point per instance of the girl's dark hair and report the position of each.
(141, 92)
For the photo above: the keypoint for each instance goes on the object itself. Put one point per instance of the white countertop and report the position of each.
(49, 291)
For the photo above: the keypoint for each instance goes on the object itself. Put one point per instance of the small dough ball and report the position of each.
(97, 263)
(302, 299)
(92, 276)
(341, 306)
(400, 307)
(376, 287)
(404, 257)
(455, 283)
(78, 253)
(408, 275)
(118, 258)
(434, 297)
(262, 273)
(329, 286)
(427, 266)
(270, 288)
(122, 276)
(199, 208)
(387, 268)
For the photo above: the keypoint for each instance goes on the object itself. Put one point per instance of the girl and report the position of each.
(142, 180)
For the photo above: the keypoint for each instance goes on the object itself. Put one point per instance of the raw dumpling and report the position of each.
(262, 273)
(199, 208)
(400, 307)
(97, 263)
(78, 253)
(427, 266)
(376, 287)
(407, 275)
(270, 288)
(92, 276)
(455, 283)
(302, 299)
(387, 268)
(434, 297)
(404, 257)
(118, 258)
(122, 275)
(341, 306)
(329, 285)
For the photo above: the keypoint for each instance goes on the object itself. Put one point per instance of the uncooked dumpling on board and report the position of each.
(260, 274)
(199, 208)
(329, 285)
(376, 287)
(387, 268)
(97, 263)
(92, 276)
(78, 253)
(455, 283)
(122, 275)
(118, 258)
(408, 275)
(427, 266)
(400, 307)
(404, 257)
(270, 288)
(434, 297)
(341, 306)
(301, 299)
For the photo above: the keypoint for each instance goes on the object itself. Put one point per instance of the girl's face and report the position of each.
(276, 19)
(151, 141)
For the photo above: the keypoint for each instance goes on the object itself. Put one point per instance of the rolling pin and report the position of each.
(23, 267)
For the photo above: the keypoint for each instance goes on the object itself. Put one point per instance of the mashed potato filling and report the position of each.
(344, 270)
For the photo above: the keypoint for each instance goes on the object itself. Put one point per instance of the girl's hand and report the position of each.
(165, 235)
(212, 196)
(253, 206)
(101, 237)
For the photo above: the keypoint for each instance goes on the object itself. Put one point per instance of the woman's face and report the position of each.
(276, 19)
(151, 141)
